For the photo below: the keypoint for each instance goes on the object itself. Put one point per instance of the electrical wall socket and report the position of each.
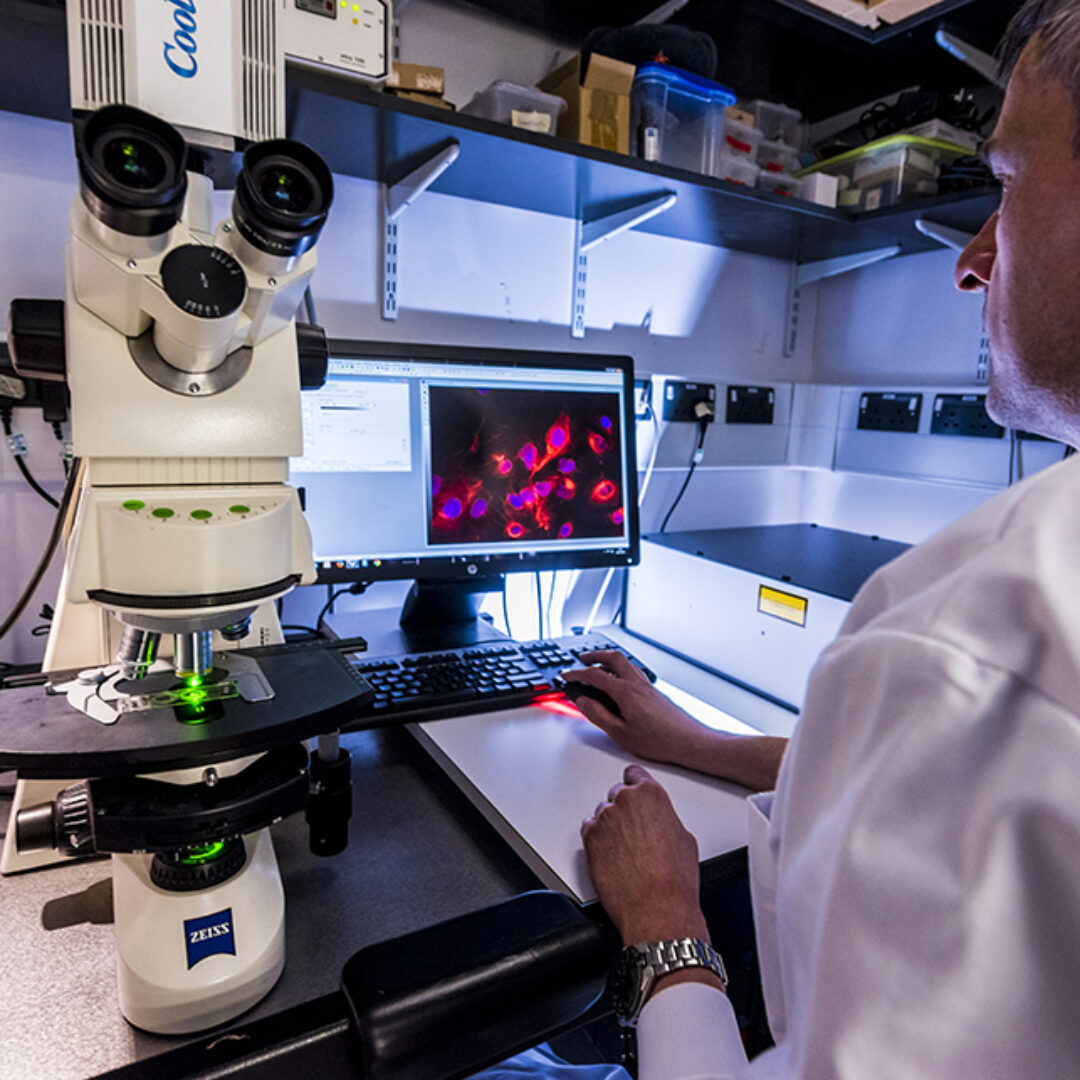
(750, 405)
(680, 398)
(963, 414)
(889, 412)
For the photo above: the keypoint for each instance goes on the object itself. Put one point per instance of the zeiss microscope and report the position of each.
(185, 364)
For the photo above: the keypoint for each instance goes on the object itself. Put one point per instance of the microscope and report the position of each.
(171, 700)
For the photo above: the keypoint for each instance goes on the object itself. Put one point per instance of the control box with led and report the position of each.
(351, 37)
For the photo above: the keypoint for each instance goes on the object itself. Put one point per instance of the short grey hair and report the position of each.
(1056, 26)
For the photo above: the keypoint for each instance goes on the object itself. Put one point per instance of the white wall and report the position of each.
(900, 322)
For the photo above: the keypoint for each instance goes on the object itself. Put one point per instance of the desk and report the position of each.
(419, 853)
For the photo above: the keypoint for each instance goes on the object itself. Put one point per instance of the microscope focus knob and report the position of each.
(314, 355)
(72, 818)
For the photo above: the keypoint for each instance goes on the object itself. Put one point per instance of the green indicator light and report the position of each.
(163, 512)
(239, 508)
(133, 504)
(201, 515)
(356, 7)
(203, 853)
(192, 681)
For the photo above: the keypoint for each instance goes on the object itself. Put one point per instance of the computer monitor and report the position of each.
(454, 466)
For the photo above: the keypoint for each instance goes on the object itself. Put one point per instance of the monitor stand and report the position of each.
(445, 614)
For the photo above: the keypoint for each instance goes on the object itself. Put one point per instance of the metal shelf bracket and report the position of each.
(397, 198)
(589, 234)
(956, 239)
(975, 59)
(806, 273)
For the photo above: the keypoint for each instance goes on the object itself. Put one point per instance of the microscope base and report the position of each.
(188, 961)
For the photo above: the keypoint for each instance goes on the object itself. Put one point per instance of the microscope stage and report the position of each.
(315, 691)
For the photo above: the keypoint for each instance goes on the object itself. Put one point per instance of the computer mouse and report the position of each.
(575, 690)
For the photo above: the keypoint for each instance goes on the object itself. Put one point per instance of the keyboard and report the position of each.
(481, 678)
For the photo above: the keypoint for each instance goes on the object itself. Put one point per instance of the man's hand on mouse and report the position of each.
(651, 726)
(643, 862)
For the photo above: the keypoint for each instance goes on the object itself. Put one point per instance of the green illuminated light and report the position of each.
(201, 515)
(133, 504)
(163, 512)
(201, 854)
(240, 508)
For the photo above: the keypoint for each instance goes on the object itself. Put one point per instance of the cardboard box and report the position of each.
(424, 99)
(420, 78)
(598, 106)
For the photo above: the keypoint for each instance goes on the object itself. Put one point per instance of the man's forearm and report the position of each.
(750, 760)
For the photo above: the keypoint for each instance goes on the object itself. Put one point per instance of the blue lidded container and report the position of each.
(677, 118)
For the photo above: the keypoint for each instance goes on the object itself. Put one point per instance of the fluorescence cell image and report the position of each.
(524, 465)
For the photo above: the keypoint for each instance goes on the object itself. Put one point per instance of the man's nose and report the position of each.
(976, 262)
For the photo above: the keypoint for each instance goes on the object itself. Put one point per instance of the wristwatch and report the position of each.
(639, 966)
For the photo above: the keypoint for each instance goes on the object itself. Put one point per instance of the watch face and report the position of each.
(626, 984)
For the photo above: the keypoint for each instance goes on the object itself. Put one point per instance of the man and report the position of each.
(916, 874)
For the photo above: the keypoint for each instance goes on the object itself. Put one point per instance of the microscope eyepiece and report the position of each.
(282, 197)
(131, 170)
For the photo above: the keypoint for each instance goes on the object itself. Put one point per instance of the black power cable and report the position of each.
(356, 588)
(50, 550)
(7, 411)
(699, 450)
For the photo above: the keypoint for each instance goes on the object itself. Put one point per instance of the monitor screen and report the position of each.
(433, 462)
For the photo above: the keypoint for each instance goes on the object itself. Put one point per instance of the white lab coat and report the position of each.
(916, 876)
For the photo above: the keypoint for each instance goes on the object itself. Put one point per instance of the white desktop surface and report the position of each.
(538, 772)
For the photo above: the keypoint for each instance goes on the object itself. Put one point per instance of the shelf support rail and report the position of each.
(397, 198)
(807, 273)
(589, 234)
(956, 239)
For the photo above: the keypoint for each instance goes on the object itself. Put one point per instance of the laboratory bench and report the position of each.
(422, 850)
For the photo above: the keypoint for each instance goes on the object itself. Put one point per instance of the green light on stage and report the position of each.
(203, 853)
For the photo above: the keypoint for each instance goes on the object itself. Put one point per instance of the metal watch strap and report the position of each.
(677, 954)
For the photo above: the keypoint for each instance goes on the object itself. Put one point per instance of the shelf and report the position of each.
(362, 132)
(378, 137)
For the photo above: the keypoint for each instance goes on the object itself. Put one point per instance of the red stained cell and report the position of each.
(567, 465)
(558, 435)
(597, 443)
(528, 496)
(529, 456)
(504, 466)
(603, 492)
(542, 488)
(566, 488)
(479, 508)
(565, 530)
(515, 530)
(618, 516)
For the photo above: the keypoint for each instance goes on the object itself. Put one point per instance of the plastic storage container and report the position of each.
(780, 184)
(888, 171)
(737, 168)
(519, 106)
(740, 138)
(677, 118)
(777, 157)
(777, 123)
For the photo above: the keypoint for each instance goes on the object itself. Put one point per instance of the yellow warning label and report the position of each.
(782, 605)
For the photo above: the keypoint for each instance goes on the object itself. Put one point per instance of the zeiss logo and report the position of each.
(209, 935)
(180, 52)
